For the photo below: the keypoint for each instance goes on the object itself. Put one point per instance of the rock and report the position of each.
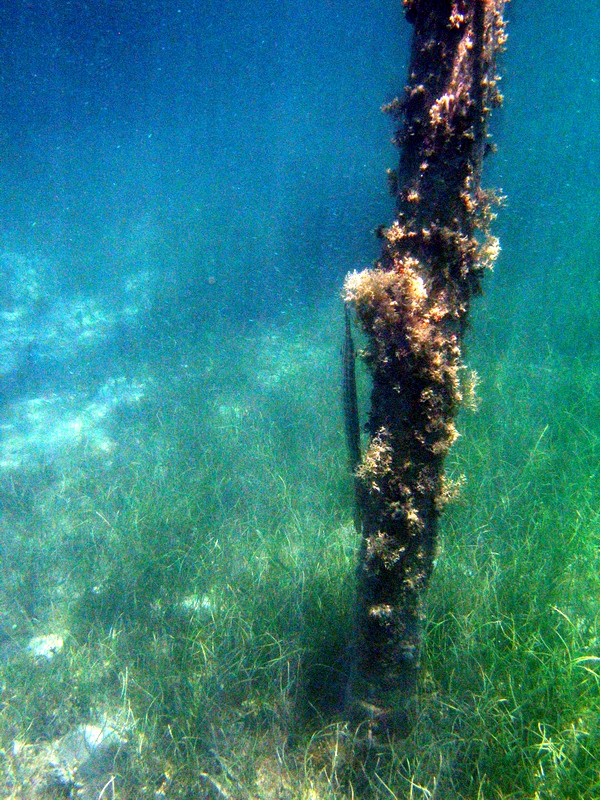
(45, 648)
(84, 753)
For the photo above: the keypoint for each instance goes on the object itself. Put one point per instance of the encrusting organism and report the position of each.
(413, 306)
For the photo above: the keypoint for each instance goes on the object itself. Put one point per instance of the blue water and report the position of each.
(240, 143)
(206, 138)
(174, 173)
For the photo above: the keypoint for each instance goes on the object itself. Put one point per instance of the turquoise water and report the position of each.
(184, 187)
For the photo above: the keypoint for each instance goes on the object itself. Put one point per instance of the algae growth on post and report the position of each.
(413, 306)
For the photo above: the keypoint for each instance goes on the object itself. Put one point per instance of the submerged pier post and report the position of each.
(413, 307)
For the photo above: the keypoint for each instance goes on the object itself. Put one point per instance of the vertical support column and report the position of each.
(413, 306)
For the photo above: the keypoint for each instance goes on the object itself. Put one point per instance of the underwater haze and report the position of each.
(184, 186)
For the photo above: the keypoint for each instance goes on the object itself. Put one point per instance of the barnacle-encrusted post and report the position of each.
(413, 307)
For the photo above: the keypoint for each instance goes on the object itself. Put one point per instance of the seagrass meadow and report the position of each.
(183, 191)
